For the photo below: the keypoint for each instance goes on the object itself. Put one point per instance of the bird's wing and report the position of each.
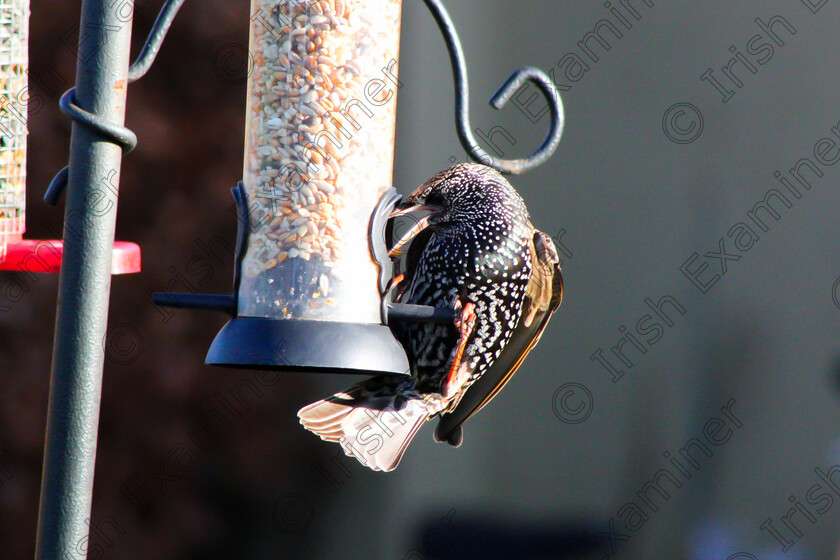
(542, 297)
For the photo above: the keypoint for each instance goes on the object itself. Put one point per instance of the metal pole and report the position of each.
(85, 283)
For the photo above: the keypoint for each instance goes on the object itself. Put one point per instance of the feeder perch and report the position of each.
(17, 253)
(312, 266)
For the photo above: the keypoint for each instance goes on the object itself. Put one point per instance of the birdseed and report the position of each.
(318, 155)
(14, 38)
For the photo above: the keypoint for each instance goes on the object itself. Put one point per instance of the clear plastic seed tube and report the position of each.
(14, 60)
(319, 148)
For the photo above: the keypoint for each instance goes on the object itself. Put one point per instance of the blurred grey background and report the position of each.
(560, 464)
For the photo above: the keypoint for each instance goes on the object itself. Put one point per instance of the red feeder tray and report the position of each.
(32, 255)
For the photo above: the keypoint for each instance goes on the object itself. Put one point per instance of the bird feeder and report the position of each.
(17, 253)
(13, 64)
(312, 266)
(319, 152)
(321, 116)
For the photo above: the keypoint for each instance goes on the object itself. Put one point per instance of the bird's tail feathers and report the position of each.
(374, 426)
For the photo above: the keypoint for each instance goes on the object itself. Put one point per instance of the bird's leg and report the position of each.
(465, 322)
(397, 283)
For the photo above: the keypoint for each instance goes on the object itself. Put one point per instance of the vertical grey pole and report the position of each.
(84, 286)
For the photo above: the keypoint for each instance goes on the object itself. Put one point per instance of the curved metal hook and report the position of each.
(112, 132)
(155, 39)
(462, 119)
(117, 134)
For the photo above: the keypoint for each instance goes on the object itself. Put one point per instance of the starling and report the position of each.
(477, 254)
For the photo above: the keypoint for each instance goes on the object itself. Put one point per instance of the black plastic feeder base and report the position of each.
(308, 346)
(305, 345)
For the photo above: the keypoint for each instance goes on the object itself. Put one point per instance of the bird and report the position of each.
(476, 254)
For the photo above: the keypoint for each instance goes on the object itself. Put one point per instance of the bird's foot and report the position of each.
(397, 285)
(457, 306)
(465, 322)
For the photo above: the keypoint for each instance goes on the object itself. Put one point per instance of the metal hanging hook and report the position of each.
(111, 132)
(462, 118)
(155, 39)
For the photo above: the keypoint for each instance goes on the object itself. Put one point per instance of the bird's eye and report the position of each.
(435, 199)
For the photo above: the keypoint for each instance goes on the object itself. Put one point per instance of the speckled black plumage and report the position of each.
(477, 253)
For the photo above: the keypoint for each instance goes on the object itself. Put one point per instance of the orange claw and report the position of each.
(465, 323)
(395, 284)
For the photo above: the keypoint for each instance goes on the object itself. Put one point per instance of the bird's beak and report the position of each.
(408, 207)
(422, 224)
